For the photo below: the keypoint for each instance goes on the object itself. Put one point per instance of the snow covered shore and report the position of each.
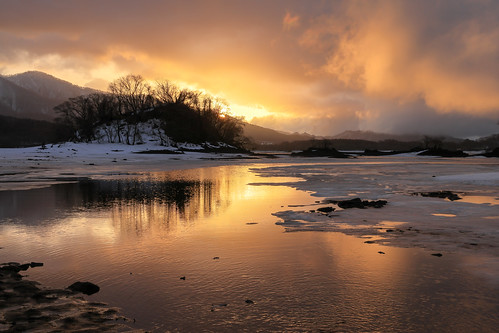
(24, 168)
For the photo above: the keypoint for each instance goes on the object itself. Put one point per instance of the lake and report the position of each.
(138, 236)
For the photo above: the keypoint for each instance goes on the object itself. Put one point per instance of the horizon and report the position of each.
(318, 68)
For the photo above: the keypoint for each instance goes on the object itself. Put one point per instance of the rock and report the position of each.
(389, 230)
(36, 264)
(369, 242)
(216, 258)
(437, 254)
(182, 278)
(381, 252)
(87, 288)
(252, 223)
(358, 203)
(440, 194)
(325, 209)
(248, 301)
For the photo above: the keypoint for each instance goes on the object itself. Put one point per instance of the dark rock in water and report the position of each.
(321, 152)
(437, 254)
(24, 267)
(443, 153)
(216, 258)
(312, 211)
(369, 242)
(87, 288)
(389, 230)
(248, 301)
(358, 203)
(36, 264)
(440, 194)
(252, 223)
(494, 153)
(325, 209)
(182, 278)
(381, 252)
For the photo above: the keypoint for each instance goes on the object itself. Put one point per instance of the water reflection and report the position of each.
(135, 237)
(139, 201)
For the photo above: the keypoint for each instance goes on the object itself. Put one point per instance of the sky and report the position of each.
(316, 66)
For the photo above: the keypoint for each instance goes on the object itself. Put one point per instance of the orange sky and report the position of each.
(318, 66)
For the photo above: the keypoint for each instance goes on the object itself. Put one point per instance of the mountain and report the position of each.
(376, 137)
(48, 86)
(266, 136)
(18, 102)
(33, 95)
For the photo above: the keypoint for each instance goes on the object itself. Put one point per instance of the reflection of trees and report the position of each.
(153, 201)
(138, 205)
(133, 191)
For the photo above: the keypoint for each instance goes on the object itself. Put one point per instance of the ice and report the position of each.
(468, 227)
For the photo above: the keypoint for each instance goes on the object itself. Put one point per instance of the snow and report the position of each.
(468, 227)
(25, 168)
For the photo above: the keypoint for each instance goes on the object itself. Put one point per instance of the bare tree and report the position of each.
(134, 96)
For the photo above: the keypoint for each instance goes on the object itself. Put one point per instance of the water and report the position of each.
(136, 236)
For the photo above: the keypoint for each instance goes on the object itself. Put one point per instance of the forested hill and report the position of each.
(134, 110)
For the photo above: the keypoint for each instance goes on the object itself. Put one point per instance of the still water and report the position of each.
(136, 236)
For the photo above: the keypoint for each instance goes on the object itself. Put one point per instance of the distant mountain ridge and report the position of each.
(33, 95)
(376, 137)
(262, 135)
(48, 86)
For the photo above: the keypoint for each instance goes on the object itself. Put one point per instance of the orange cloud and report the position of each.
(383, 49)
(290, 21)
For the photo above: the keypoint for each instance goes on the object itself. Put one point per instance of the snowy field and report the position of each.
(469, 226)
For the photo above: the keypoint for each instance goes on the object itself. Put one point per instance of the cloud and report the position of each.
(318, 66)
(443, 52)
(290, 21)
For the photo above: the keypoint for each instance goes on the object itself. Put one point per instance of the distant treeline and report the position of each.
(16, 133)
(183, 115)
(487, 143)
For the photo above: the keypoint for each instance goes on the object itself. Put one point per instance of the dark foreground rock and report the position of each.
(359, 203)
(87, 288)
(27, 307)
(440, 194)
(321, 152)
(325, 209)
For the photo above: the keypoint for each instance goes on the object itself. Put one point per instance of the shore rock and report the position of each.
(87, 288)
(358, 203)
(440, 194)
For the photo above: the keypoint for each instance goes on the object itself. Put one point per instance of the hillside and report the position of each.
(266, 136)
(33, 95)
(16, 101)
(48, 86)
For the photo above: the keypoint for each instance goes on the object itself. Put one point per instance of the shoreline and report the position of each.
(26, 305)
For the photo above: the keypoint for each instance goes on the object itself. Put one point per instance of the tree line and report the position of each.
(184, 115)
